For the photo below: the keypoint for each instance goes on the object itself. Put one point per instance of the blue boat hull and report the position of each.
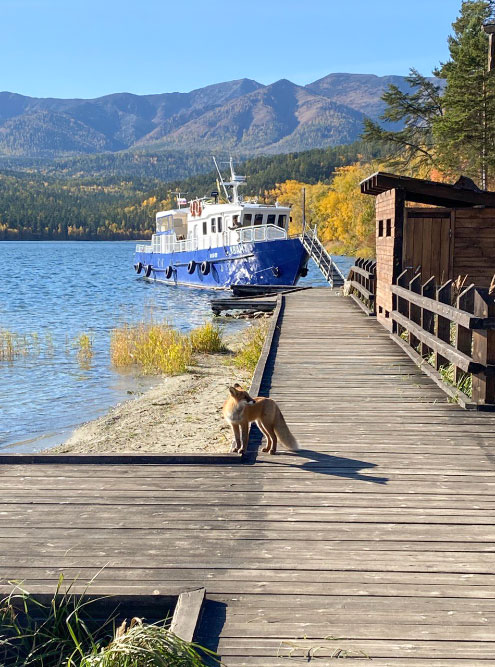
(279, 262)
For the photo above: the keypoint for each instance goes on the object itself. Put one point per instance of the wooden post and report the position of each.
(484, 349)
(303, 211)
(399, 304)
(489, 28)
(414, 311)
(427, 317)
(444, 295)
(463, 336)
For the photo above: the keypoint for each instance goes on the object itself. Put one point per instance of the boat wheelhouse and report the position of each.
(215, 245)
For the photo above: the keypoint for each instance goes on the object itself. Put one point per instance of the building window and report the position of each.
(270, 220)
(281, 220)
(213, 225)
(205, 227)
(247, 220)
(389, 227)
(258, 219)
(380, 227)
(220, 224)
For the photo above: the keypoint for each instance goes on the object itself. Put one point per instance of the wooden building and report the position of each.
(452, 234)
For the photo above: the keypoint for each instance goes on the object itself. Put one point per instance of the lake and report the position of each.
(52, 292)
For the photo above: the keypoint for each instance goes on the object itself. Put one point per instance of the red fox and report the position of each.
(240, 409)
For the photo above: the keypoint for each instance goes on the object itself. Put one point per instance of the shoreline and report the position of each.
(181, 414)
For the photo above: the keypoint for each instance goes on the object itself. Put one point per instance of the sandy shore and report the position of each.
(181, 414)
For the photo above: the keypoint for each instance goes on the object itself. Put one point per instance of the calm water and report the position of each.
(58, 291)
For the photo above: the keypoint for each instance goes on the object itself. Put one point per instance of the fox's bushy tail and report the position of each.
(285, 436)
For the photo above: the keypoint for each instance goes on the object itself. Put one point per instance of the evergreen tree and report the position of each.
(412, 148)
(451, 128)
(465, 134)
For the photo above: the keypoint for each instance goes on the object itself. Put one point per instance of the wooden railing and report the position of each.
(450, 335)
(361, 283)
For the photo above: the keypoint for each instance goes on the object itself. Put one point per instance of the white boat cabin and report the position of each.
(205, 225)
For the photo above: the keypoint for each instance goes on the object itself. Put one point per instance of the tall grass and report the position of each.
(84, 346)
(247, 357)
(207, 339)
(156, 348)
(138, 645)
(66, 632)
(14, 345)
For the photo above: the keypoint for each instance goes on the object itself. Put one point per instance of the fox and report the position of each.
(240, 409)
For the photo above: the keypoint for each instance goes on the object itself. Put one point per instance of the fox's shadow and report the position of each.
(317, 462)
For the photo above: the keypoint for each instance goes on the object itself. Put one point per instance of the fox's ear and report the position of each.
(233, 392)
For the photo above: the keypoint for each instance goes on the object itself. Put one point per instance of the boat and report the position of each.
(213, 244)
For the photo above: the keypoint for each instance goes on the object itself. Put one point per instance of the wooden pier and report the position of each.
(377, 540)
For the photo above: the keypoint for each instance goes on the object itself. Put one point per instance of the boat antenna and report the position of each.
(221, 179)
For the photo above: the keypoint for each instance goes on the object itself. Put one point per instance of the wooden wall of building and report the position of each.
(389, 230)
(474, 245)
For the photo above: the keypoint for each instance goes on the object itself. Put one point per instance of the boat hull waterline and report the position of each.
(277, 262)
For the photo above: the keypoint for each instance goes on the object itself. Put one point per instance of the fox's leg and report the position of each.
(244, 436)
(264, 430)
(237, 437)
(273, 439)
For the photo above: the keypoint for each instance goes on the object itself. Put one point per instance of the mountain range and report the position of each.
(241, 115)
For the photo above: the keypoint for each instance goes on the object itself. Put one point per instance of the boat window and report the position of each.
(247, 219)
(270, 219)
(258, 219)
(220, 225)
(205, 227)
(281, 220)
(213, 225)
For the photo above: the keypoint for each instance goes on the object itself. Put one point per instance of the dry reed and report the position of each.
(155, 348)
(207, 339)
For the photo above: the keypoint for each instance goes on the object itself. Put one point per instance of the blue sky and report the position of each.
(88, 48)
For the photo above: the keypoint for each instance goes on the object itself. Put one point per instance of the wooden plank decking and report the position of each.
(377, 539)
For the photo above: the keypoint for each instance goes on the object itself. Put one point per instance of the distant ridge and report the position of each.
(243, 115)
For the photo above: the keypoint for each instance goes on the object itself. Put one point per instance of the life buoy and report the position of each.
(168, 272)
(138, 267)
(275, 271)
(148, 271)
(205, 268)
(191, 267)
(196, 208)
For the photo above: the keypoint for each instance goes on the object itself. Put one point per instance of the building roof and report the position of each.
(462, 193)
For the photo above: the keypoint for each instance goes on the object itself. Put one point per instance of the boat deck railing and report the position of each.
(164, 244)
(262, 233)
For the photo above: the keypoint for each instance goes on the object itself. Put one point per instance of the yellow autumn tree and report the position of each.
(290, 194)
(346, 217)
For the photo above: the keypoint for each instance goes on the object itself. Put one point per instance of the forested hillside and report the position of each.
(46, 205)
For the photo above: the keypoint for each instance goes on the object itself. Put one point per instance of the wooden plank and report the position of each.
(186, 614)
(457, 357)
(461, 317)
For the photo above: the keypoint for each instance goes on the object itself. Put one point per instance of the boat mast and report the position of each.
(234, 183)
(221, 179)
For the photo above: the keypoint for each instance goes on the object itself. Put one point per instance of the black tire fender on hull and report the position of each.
(148, 270)
(205, 268)
(191, 267)
(138, 267)
(168, 272)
